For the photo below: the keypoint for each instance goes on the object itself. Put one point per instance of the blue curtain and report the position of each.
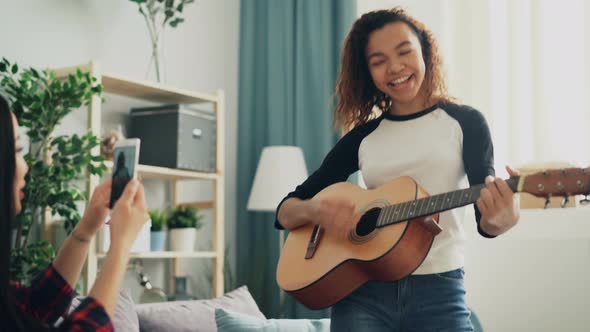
(289, 57)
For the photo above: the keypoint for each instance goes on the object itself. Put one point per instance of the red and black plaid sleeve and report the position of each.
(88, 316)
(47, 299)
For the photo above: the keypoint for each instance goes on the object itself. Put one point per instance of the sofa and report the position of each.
(234, 311)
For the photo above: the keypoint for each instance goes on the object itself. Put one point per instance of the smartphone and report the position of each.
(125, 159)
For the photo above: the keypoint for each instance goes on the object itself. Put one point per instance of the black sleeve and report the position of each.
(478, 150)
(337, 166)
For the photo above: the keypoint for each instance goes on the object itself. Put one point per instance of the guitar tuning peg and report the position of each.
(547, 201)
(585, 201)
(566, 200)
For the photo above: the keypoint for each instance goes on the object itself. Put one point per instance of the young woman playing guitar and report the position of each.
(391, 62)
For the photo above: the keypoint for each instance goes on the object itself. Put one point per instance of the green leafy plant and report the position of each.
(158, 14)
(184, 217)
(158, 220)
(30, 260)
(40, 101)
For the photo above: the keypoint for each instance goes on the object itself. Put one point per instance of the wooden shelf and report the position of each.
(162, 94)
(199, 205)
(168, 254)
(150, 91)
(155, 172)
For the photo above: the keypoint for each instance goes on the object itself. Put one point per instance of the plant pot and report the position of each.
(141, 243)
(158, 241)
(182, 239)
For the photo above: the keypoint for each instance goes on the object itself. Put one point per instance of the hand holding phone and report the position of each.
(125, 160)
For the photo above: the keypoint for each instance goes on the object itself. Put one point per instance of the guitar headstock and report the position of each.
(561, 182)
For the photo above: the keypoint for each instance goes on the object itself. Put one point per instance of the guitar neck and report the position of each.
(434, 204)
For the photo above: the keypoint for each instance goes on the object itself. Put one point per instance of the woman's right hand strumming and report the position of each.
(336, 215)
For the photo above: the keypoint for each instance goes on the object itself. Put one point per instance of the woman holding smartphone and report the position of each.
(38, 307)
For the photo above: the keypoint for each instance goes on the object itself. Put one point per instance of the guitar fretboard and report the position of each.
(433, 204)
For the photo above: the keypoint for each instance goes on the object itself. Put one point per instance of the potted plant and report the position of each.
(158, 234)
(40, 102)
(158, 14)
(183, 223)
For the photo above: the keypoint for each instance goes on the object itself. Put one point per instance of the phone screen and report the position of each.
(123, 171)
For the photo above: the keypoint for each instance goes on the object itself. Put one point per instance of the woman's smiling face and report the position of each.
(395, 61)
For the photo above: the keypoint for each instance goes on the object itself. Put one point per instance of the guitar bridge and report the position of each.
(314, 241)
(431, 225)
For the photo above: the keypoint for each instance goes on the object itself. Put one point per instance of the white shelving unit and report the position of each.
(168, 254)
(153, 92)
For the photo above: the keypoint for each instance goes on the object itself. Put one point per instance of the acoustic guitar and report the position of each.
(399, 221)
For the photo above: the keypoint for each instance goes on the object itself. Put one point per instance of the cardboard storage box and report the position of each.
(176, 136)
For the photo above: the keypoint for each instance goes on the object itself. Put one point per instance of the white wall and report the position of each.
(200, 55)
(535, 277)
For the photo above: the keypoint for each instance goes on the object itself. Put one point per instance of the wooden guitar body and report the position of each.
(339, 266)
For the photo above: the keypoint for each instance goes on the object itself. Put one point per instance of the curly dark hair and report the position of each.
(355, 90)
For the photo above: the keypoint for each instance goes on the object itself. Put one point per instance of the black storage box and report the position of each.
(175, 136)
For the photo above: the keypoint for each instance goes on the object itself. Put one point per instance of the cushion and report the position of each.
(125, 319)
(228, 321)
(196, 315)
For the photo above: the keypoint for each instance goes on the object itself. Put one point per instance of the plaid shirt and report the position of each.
(49, 298)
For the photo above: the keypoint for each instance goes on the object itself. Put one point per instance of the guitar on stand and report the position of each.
(399, 221)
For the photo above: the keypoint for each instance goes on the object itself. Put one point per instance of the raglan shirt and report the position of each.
(443, 148)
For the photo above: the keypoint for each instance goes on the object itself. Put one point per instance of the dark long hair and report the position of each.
(11, 320)
(357, 94)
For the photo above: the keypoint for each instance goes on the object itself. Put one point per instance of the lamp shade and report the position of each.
(279, 171)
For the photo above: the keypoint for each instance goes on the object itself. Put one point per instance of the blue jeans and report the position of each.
(417, 303)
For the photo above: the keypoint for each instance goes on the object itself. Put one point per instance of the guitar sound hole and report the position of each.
(368, 222)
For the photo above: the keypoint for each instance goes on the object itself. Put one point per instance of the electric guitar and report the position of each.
(398, 225)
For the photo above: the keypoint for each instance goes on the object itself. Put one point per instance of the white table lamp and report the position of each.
(279, 171)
